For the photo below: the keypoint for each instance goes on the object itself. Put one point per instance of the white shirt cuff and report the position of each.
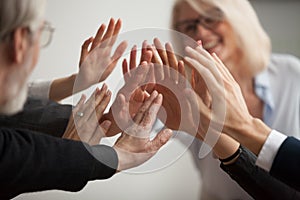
(39, 89)
(269, 150)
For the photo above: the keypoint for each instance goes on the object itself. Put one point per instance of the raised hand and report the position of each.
(171, 81)
(96, 63)
(132, 90)
(134, 146)
(139, 93)
(228, 105)
(83, 124)
(120, 114)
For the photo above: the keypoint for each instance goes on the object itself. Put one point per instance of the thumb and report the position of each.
(105, 125)
(161, 138)
(99, 133)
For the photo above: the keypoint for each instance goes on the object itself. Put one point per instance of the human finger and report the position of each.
(161, 51)
(77, 110)
(85, 50)
(144, 50)
(119, 52)
(160, 139)
(101, 107)
(172, 61)
(182, 75)
(155, 56)
(108, 34)
(209, 63)
(98, 37)
(206, 74)
(137, 78)
(221, 67)
(116, 32)
(149, 116)
(100, 132)
(145, 106)
(132, 59)
(125, 70)
(92, 102)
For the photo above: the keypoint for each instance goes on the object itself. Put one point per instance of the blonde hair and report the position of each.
(20, 13)
(252, 39)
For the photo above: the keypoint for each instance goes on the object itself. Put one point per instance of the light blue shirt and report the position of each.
(288, 95)
(262, 88)
(282, 94)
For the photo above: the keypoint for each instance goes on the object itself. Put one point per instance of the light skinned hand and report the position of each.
(134, 146)
(171, 81)
(225, 92)
(135, 95)
(83, 124)
(96, 62)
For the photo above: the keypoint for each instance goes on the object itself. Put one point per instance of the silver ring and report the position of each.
(79, 114)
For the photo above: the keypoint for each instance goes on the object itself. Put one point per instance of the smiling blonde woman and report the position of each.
(231, 29)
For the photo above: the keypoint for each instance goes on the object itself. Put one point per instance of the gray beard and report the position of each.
(16, 104)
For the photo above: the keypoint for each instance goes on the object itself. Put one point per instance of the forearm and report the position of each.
(34, 162)
(41, 115)
(254, 180)
(62, 88)
(252, 134)
(225, 146)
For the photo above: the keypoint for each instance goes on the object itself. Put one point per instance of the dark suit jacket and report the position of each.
(30, 162)
(256, 181)
(286, 165)
(41, 115)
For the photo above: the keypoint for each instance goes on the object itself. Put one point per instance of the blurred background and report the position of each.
(75, 21)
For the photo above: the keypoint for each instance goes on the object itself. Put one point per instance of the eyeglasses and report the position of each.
(46, 34)
(190, 27)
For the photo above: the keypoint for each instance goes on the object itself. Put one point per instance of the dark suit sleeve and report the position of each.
(41, 115)
(255, 181)
(34, 162)
(286, 165)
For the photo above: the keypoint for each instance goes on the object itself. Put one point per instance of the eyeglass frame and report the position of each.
(200, 20)
(47, 27)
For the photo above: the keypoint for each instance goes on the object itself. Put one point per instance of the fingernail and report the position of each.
(82, 97)
(159, 97)
(106, 124)
(187, 58)
(199, 42)
(97, 91)
(168, 46)
(188, 49)
(104, 87)
(155, 93)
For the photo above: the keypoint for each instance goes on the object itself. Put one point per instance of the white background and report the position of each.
(76, 20)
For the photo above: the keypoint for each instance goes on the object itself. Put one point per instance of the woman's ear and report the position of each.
(20, 42)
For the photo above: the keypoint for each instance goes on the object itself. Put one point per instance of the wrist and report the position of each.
(125, 159)
(225, 147)
(232, 158)
(254, 135)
